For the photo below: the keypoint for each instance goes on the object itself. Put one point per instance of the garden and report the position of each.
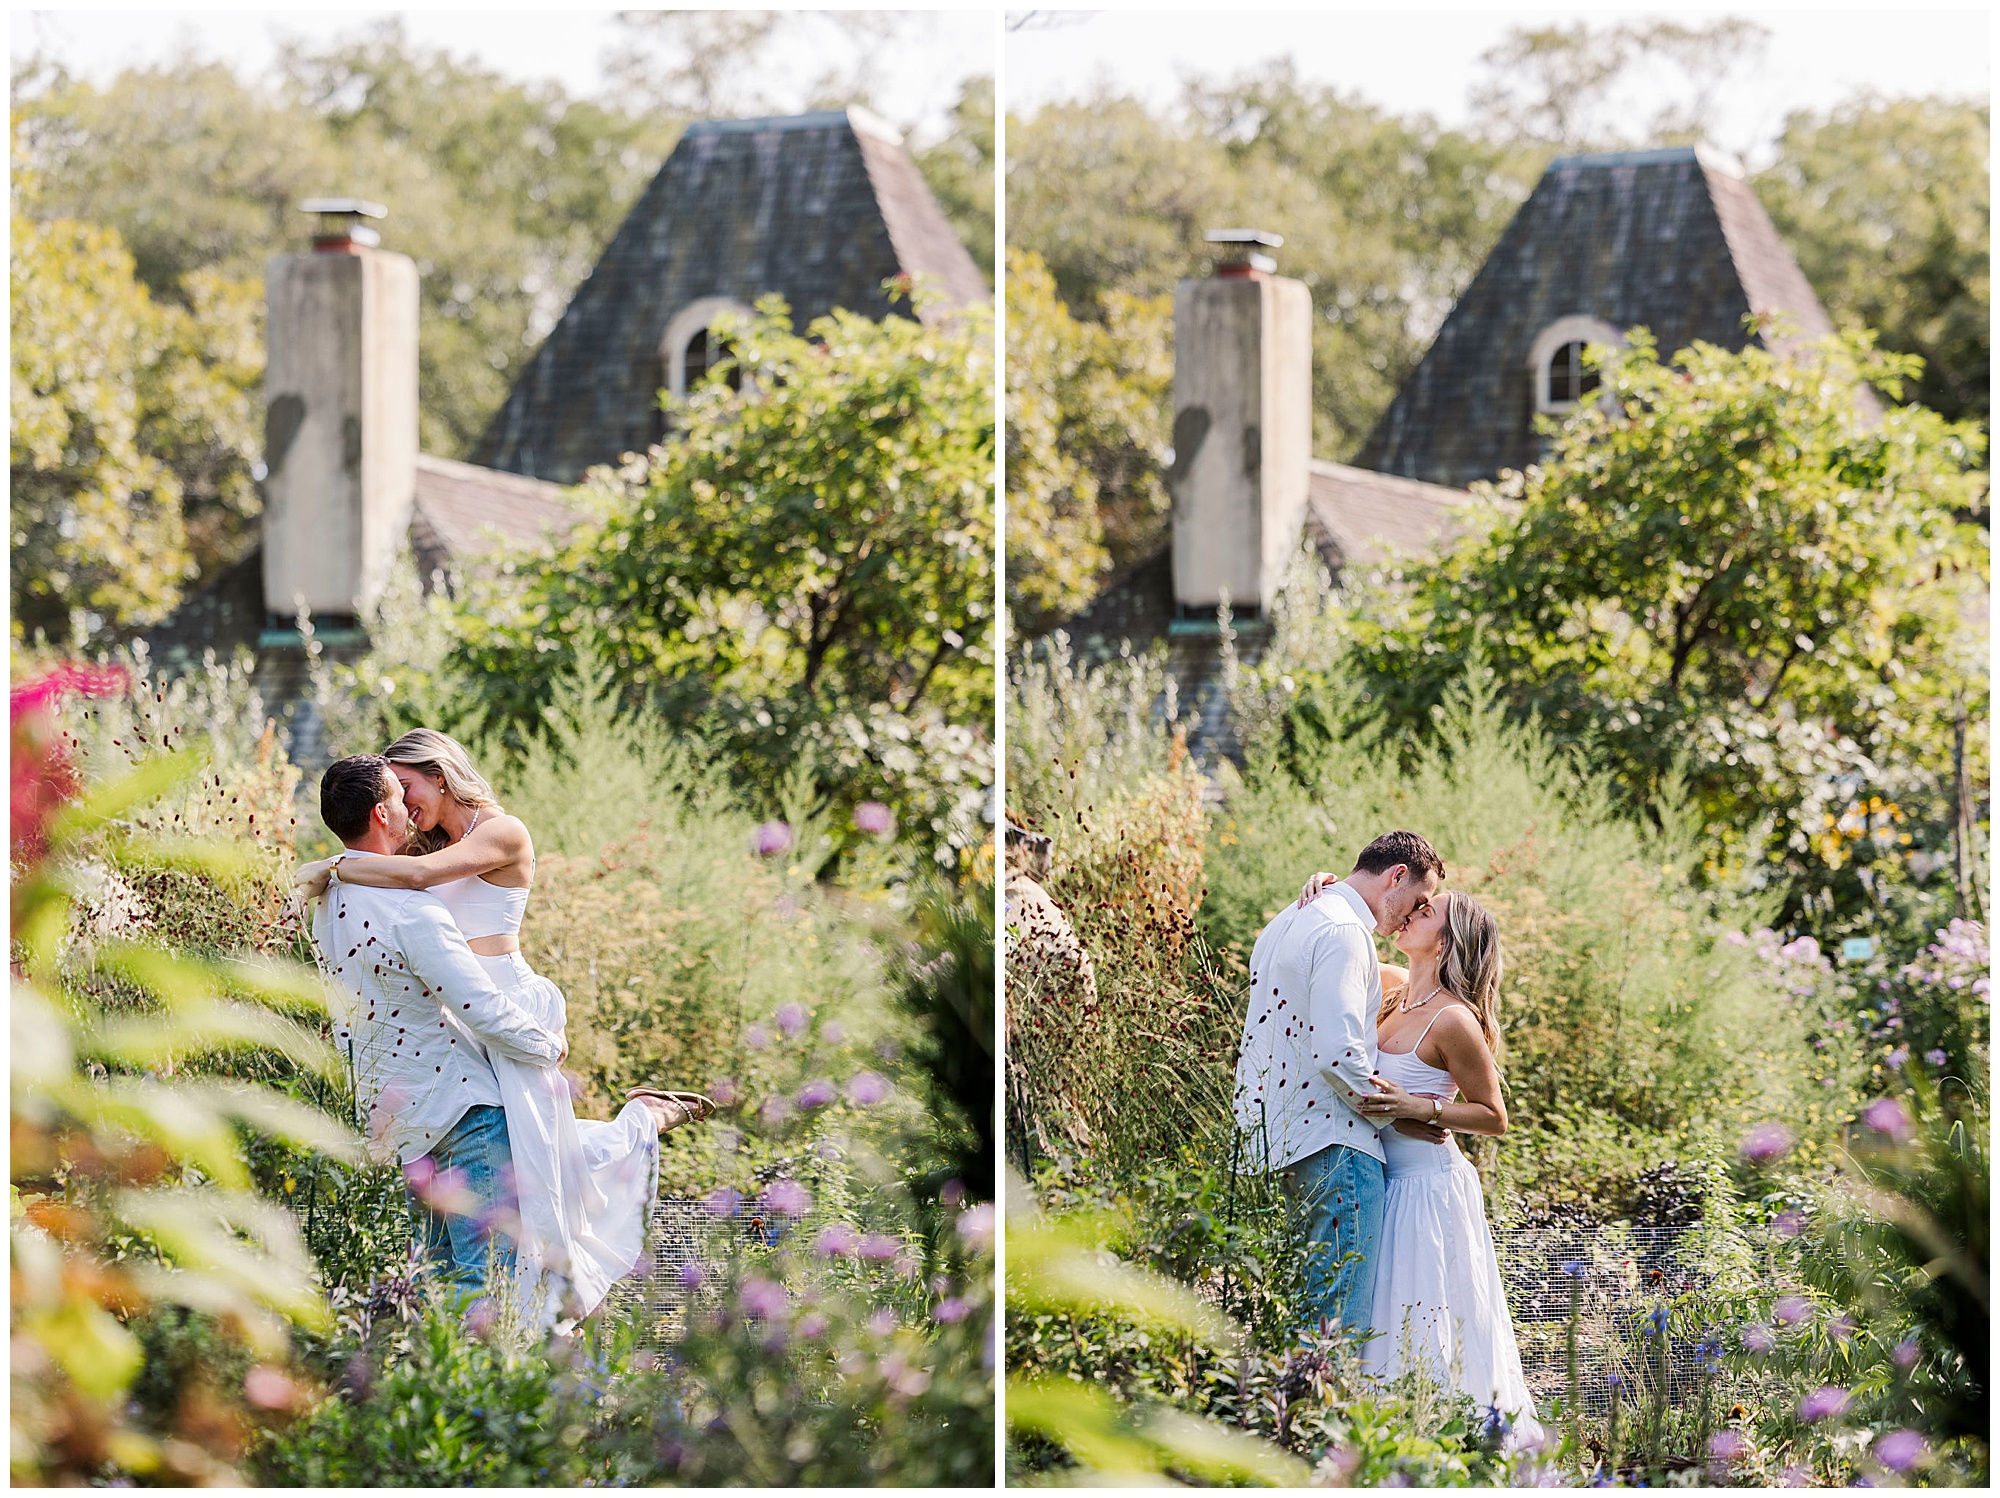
(1738, 873)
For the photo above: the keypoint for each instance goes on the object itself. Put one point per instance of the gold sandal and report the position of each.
(698, 1106)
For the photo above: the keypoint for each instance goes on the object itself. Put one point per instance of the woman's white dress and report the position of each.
(586, 1189)
(1439, 1300)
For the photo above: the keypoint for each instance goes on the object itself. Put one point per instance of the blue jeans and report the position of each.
(462, 1193)
(1335, 1196)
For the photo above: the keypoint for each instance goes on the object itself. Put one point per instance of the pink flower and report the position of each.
(833, 1032)
(867, 1088)
(1905, 1354)
(812, 1326)
(838, 1241)
(771, 839)
(1792, 1309)
(1824, 1403)
(724, 1091)
(268, 1388)
(756, 1038)
(1766, 1142)
(788, 1197)
(774, 1112)
(952, 1309)
(882, 1322)
(874, 818)
(1789, 1223)
(792, 1020)
(761, 1298)
(1886, 1115)
(1728, 1445)
(1757, 1338)
(880, 1246)
(1901, 1450)
(975, 1226)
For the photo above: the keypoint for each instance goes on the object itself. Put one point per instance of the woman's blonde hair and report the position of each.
(431, 753)
(1470, 963)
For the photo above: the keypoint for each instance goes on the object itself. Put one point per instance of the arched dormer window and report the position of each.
(1555, 364)
(689, 349)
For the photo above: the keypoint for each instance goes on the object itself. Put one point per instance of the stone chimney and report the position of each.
(1242, 428)
(340, 416)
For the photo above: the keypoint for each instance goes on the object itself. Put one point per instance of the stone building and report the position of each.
(821, 209)
(1672, 240)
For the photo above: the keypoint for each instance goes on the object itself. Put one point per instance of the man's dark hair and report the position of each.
(1411, 849)
(349, 791)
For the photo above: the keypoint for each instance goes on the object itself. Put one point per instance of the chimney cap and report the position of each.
(1245, 236)
(345, 207)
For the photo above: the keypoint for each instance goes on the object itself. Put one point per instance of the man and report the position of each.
(422, 1017)
(1308, 1054)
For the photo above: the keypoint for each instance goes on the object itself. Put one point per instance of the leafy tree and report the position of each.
(959, 170)
(1726, 576)
(818, 542)
(134, 430)
(1087, 433)
(1886, 204)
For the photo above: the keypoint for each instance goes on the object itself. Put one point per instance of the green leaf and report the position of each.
(152, 779)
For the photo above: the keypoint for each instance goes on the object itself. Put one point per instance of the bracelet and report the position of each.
(1437, 1110)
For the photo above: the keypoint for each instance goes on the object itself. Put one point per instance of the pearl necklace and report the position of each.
(1404, 1006)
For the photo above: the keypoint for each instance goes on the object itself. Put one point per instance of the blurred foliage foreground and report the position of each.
(211, 1279)
(1807, 1135)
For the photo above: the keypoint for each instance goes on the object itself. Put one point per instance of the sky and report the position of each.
(1428, 60)
(919, 75)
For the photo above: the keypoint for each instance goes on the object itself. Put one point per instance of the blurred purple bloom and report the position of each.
(724, 1091)
(873, 818)
(953, 1192)
(1792, 1309)
(1936, 1058)
(952, 1309)
(774, 1112)
(833, 1032)
(1728, 1445)
(1756, 1337)
(724, 1201)
(1805, 949)
(1905, 1354)
(480, 1316)
(1824, 1403)
(817, 1093)
(1841, 1328)
(837, 1241)
(771, 839)
(1897, 1057)
(1766, 1142)
(788, 1197)
(812, 1326)
(880, 1246)
(1790, 1222)
(792, 1020)
(1574, 1268)
(1796, 1475)
(762, 1298)
(1901, 1450)
(1886, 1115)
(908, 1265)
(690, 1275)
(756, 1038)
(867, 1088)
(882, 1322)
(975, 1226)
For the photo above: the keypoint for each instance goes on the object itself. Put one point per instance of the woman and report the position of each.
(1439, 1301)
(585, 1188)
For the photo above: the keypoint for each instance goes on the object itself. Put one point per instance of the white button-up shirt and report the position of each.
(417, 1016)
(1309, 1035)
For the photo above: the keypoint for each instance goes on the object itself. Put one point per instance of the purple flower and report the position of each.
(880, 1246)
(1905, 1353)
(1841, 1328)
(812, 1326)
(1796, 1475)
(1792, 1309)
(761, 1298)
(952, 1194)
(1757, 1338)
(1886, 1115)
(833, 1032)
(817, 1093)
(882, 1322)
(771, 839)
(725, 1091)
(690, 1275)
(1897, 1057)
(724, 1201)
(788, 1197)
(480, 1316)
(975, 1226)
(1728, 1445)
(1901, 1450)
(1936, 1058)
(792, 1020)
(867, 1088)
(1766, 1142)
(837, 1241)
(774, 1112)
(1790, 1222)
(952, 1309)
(873, 818)
(1824, 1403)
(1574, 1268)
(1805, 949)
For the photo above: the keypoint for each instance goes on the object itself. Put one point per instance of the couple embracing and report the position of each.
(456, 1043)
(1350, 1083)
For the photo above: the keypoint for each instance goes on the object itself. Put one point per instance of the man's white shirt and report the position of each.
(417, 1014)
(1309, 1035)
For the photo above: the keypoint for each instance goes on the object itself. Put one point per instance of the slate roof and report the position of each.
(464, 512)
(1674, 240)
(819, 208)
(1356, 517)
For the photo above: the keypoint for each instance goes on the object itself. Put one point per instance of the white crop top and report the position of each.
(482, 908)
